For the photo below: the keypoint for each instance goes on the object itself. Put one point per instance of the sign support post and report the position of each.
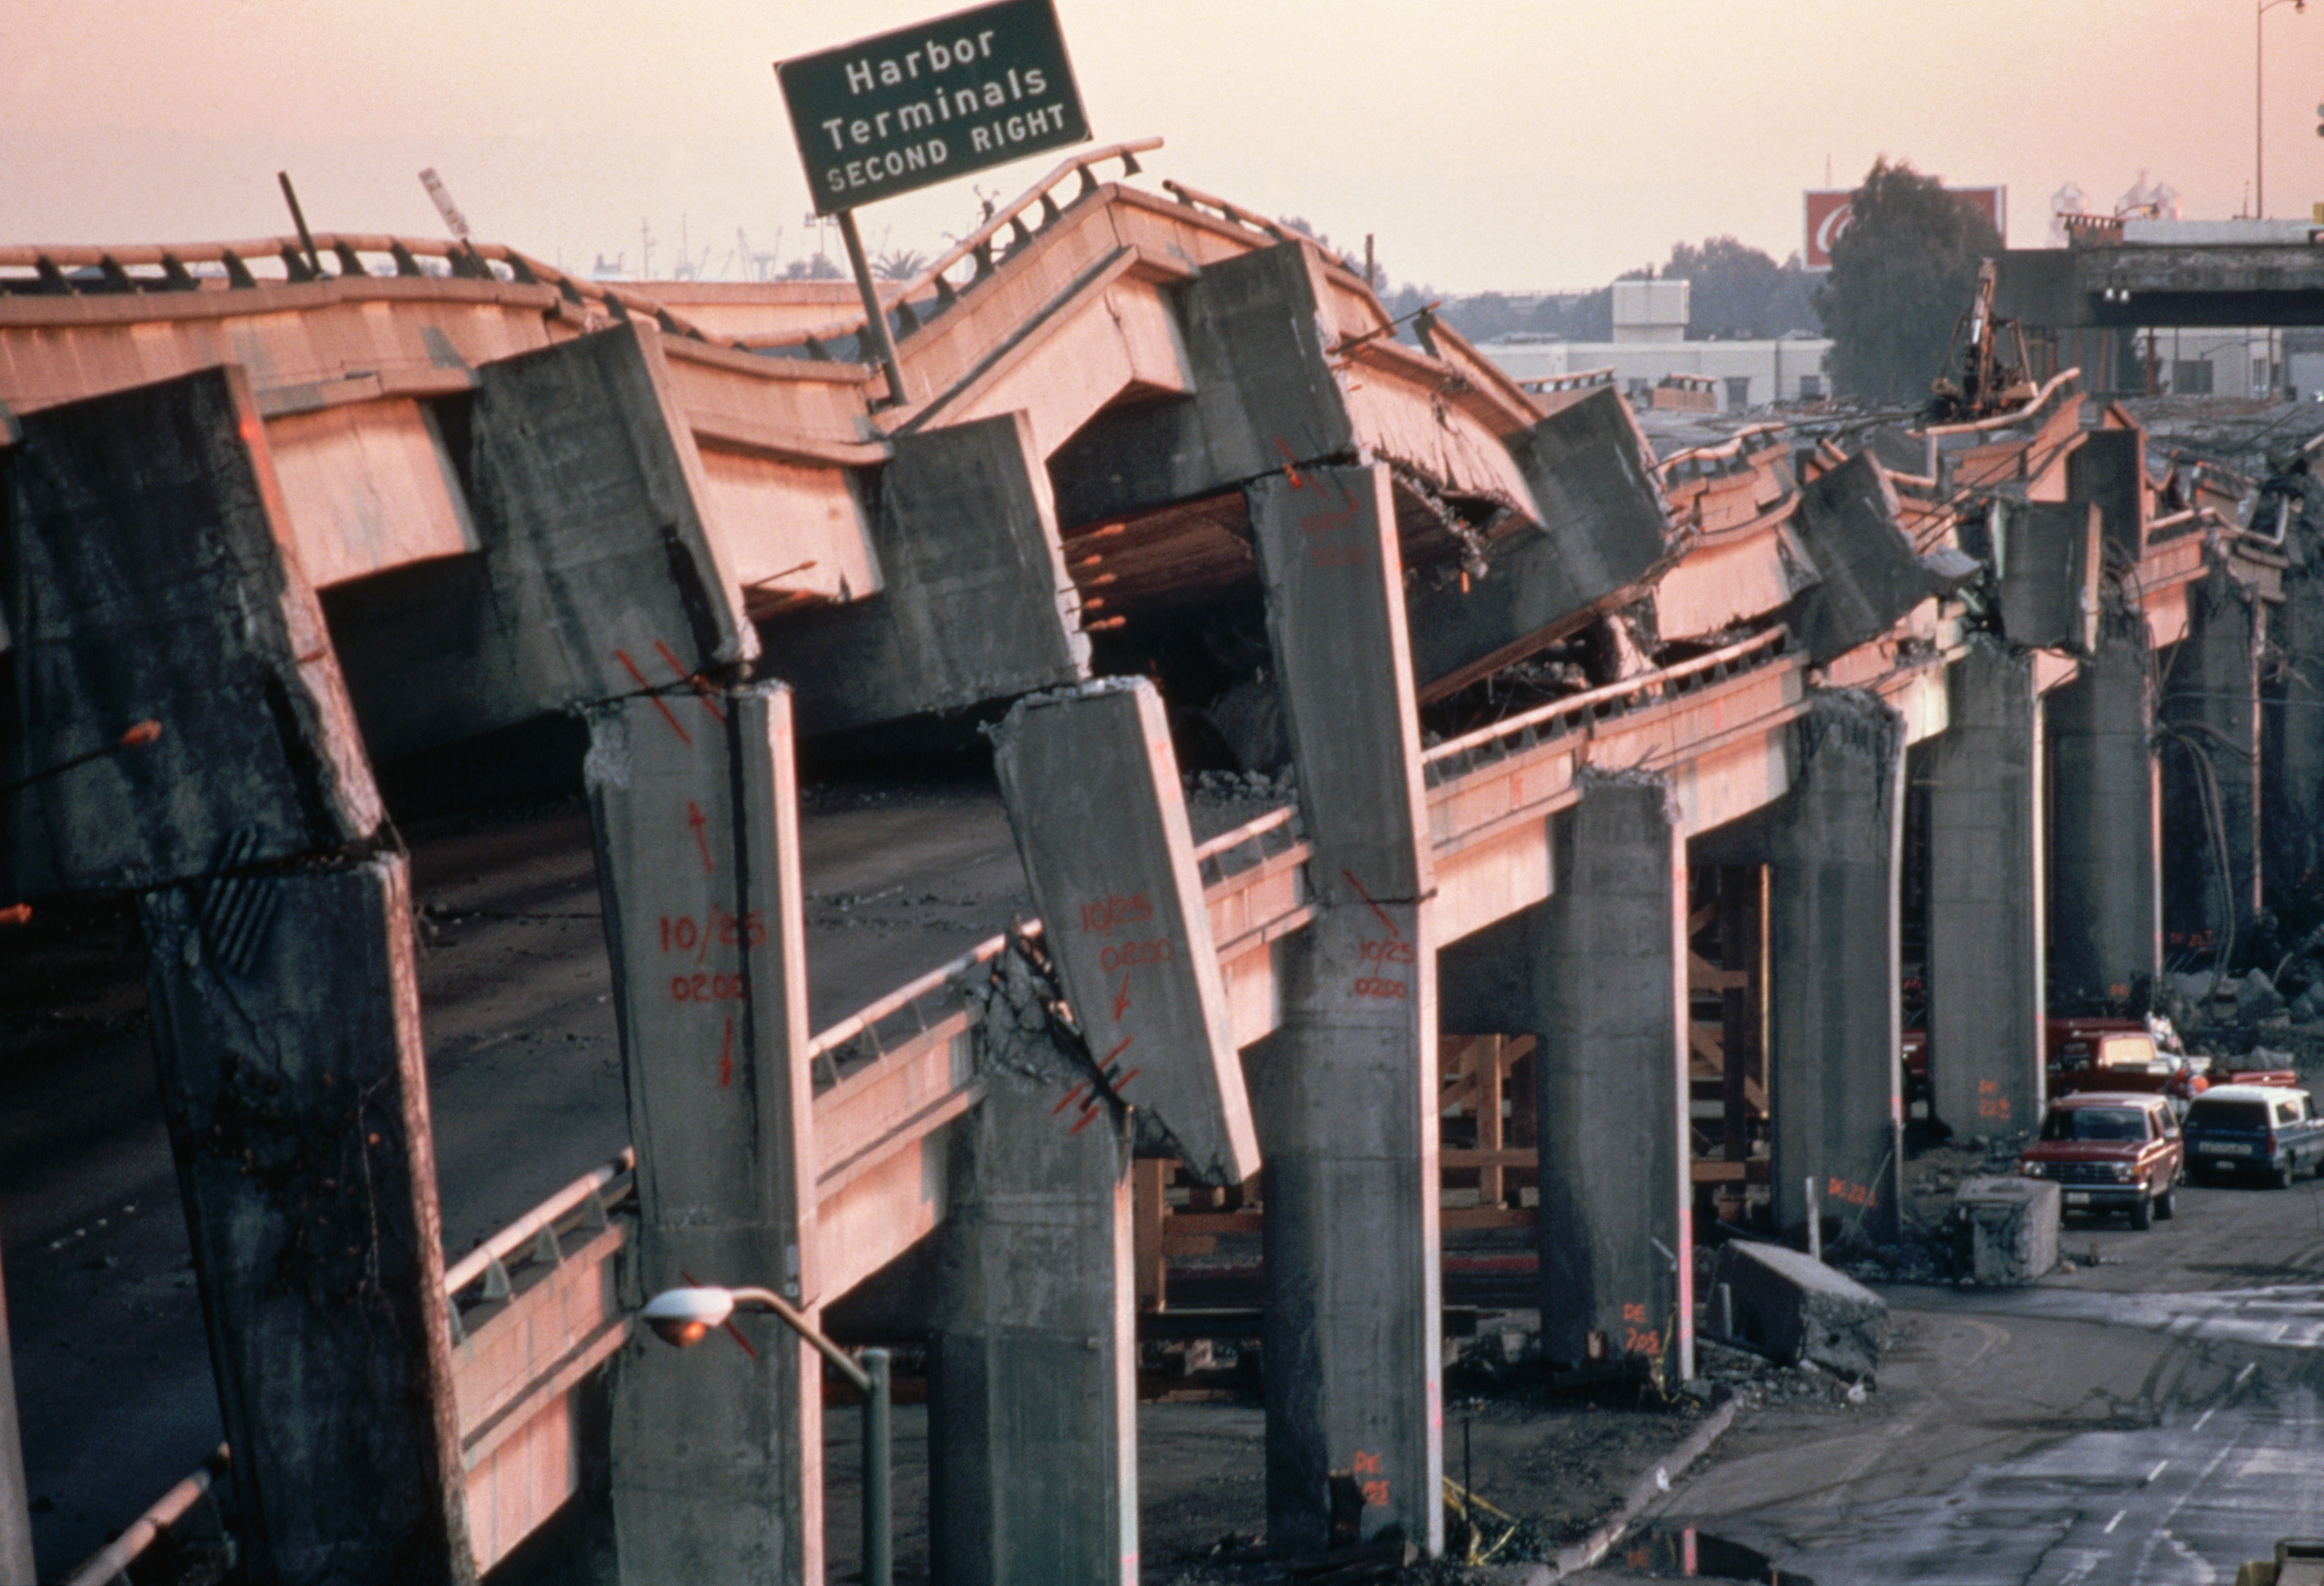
(930, 102)
(878, 340)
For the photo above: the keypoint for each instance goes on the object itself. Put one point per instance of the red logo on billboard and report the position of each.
(1829, 213)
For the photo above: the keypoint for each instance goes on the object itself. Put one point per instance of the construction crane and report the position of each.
(1978, 380)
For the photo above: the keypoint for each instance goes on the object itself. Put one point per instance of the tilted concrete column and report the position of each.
(2105, 924)
(1616, 1226)
(149, 575)
(1986, 896)
(286, 1019)
(15, 1518)
(1346, 1092)
(2211, 766)
(1034, 1472)
(717, 1452)
(1834, 855)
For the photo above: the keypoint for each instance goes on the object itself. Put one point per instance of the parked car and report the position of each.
(2264, 1131)
(2110, 1151)
(2117, 1054)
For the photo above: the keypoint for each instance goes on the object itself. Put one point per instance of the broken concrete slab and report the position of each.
(2046, 557)
(2109, 470)
(147, 573)
(598, 575)
(1792, 1307)
(1264, 394)
(1093, 792)
(1871, 576)
(975, 602)
(1602, 530)
(2012, 1224)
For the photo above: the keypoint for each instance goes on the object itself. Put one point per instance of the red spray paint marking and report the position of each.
(630, 667)
(698, 820)
(1375, 908)
(694, 679)
(1071, 1096)
(732, 1331)
(1110, 1057)
(1121, 997)
(1291, 464)
(727, 1056)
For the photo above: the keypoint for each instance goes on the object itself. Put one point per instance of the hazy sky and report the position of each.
(1487, 145)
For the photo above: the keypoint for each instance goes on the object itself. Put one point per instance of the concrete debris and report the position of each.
(2256, 997)
(2010, 1226)
(1794, 1308)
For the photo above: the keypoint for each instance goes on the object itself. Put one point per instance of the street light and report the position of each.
(2259, 90)
(684, 1317)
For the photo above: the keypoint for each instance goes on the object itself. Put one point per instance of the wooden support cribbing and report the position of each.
(1149, 1185)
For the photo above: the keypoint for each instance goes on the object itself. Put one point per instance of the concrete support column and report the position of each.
(2105, 924)
(1033, 1394)
(1034, 1474)
(15, 1518)
(2293, 762)
(717, 1451)
(1835, 855)
(1986, 896)
(1346, 1093)
(286, 1023)
(1616, 1217)
(2211, 766)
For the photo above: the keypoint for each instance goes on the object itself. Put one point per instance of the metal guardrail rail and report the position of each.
(978, 244)
(154, 268)
(1563, 717)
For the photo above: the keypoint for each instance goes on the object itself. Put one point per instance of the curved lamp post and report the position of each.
(684, 1317)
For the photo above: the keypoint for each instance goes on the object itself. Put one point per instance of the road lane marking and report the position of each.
(2244, 1376)
(2206, 1416)
(2160, 1466)
(2111, 1524)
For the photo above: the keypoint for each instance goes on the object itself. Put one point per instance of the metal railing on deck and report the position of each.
(606, 1184)
(1561, 718)
(978, 244)
(282, 260)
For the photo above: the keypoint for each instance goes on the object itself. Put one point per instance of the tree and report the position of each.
(811, 267)
(1902, 275)
(1738, 291)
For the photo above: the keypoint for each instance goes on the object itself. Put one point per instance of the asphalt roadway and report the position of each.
(2147, 1421)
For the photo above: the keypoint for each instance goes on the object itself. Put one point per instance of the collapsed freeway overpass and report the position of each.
(1165, 482)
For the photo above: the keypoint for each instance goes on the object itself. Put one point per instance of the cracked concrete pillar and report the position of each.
(2105, 922)
(1834, 854)
(1345, 1091)
(1986, 896)
(2210, 764)
(1033, 1393)
(717, 1450)
(1616, 1228)
(149, 575)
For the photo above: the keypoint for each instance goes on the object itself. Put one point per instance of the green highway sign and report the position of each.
(931, 102)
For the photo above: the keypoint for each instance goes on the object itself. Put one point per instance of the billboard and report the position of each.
(931, 102)
(1827, 215)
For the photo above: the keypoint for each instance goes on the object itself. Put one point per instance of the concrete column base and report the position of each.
(1986, 898)
(1033, 1394)
(1616, 1221)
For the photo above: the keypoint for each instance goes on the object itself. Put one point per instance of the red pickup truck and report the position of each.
(2111, 1151)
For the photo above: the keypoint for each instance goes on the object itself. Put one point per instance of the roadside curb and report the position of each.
(1654, 1485)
